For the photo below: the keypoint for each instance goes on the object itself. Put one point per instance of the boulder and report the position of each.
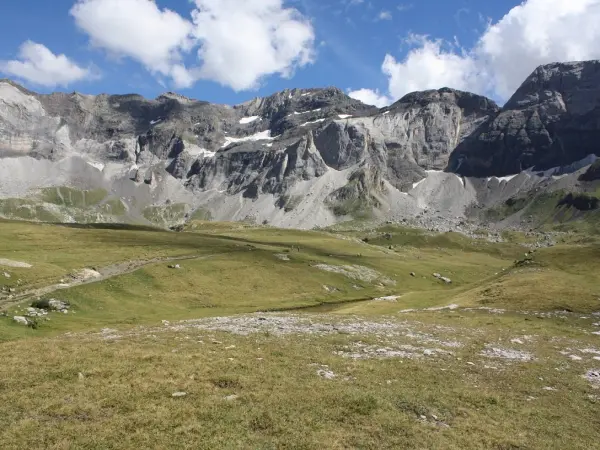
(21, 320)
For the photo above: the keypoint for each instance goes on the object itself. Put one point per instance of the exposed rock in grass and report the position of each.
(389, 298)
(17, 264)
(178, 394)
(282, 256)
(326, 373)
(593, 376)
(21, 320)
(441, 278)
(52, 304)
(509, 354)
(451, 307)
(6, 275)
(34, 312)
(357, 272)
(85, 275)
(360, 350)
(330, 288)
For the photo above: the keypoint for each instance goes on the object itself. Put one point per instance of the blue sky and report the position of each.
(378, 49)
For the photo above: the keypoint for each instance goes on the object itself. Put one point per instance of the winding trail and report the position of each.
(107, 272)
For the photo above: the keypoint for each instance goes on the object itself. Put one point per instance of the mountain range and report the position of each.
(306, 157)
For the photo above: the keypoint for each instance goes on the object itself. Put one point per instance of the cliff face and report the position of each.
(315, 149)
(552, 120)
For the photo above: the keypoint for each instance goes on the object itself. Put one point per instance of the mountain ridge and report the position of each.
(299, 157)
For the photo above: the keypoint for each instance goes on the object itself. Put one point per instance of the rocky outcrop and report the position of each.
(552, 120)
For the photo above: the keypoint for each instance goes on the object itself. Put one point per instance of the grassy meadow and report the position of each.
(266, 338)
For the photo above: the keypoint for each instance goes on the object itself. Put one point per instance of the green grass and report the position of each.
(65, 196)
(123, 398)
(166, 215)
(201, 214)
(24, 209)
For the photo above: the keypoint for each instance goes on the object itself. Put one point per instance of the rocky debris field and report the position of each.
(420, 337)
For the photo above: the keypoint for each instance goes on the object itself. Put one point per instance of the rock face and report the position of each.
(552, 120)
(300, 157)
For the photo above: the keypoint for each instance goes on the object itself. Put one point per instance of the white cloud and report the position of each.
(538, 32)
(140, 30)
(238, 42)
(430, 66)
(533, 33)
(370, 97)
(384, 15)
(242, 41)
(38, 65)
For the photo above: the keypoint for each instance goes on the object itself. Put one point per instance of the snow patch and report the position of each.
(507, 178)
(199, 152)
(261, 136)
(245, 120)
(304, 95)
(314, 121)
(344, 116)
(461, 179)
(296, 113)
(418, 183)
(154, 122)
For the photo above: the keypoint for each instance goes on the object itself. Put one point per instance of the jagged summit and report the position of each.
(551, 120)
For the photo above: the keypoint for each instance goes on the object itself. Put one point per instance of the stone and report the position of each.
(58, 305)
(6, 275)
(21, 320)
(178, 394)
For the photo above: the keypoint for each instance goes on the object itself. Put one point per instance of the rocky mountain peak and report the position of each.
(551, 120)
(575, 85)
(464, 100)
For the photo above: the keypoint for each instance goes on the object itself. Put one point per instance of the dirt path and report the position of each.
(105, 273)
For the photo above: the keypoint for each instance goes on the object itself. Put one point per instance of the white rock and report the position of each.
(178, 394)
(21, 320)
(327, 374)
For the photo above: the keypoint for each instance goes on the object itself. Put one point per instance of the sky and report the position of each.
(230, 51)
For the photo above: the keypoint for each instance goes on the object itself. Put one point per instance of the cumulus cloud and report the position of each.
(242, 41)
(38, 65)
(384, 15)
(370, 97)
(237, 42)
(140, 30)
(533, 33)
(430, 66)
